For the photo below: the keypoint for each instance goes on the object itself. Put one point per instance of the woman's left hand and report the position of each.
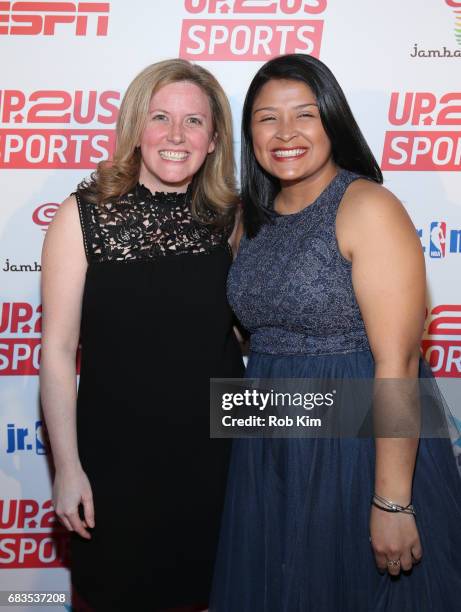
(394, 537)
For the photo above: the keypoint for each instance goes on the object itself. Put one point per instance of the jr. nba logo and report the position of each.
(438, 239)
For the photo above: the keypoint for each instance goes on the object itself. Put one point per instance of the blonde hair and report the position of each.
(213, 186)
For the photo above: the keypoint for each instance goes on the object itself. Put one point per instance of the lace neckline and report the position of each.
(146, 226)
(169, 198)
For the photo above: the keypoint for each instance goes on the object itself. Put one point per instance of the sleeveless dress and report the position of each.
(295, 533)
(155, 327)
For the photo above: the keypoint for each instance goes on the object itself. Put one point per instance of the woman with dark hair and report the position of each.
(330, 282)
(135, 264)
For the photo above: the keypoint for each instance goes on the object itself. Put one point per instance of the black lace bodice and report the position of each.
(142, 225)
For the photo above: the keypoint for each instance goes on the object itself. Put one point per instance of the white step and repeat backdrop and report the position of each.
(64, 68)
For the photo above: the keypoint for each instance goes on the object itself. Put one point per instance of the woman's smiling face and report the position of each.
(289, 140)
(177, 137)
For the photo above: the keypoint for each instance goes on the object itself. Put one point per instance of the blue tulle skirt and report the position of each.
(295, 531)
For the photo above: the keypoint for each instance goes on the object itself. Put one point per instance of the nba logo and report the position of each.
(438, 239)
(42, 443)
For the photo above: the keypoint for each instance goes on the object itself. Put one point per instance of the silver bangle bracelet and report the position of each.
(389, 506)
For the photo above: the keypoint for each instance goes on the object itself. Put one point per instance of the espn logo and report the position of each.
(49, 18)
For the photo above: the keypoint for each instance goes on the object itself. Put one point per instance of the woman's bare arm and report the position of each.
(388, 276)
(63, 275)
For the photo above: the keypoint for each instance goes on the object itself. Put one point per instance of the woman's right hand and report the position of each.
(70, 488)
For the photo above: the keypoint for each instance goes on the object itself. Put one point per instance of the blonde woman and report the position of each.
(135, 264)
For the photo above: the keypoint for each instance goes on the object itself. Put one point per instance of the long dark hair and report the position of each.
(349, 147)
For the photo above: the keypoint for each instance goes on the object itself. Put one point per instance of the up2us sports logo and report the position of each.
(428, 135)
(250, 30)
(31, 536)
(441, 345)
(20, 339)
(51, 128)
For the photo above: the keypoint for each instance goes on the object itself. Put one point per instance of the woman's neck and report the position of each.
(296, 195)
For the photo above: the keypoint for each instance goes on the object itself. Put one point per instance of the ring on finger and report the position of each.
(392, 563)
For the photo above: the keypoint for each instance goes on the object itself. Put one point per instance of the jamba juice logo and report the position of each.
(456, 5)
(418, 51)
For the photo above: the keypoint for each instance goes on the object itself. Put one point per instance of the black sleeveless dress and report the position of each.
(155, 327)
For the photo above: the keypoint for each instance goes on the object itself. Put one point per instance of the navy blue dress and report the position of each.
(295, 534)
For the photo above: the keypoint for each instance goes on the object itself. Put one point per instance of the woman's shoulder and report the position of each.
(67, 211)
(366, 200)
(370, 214)
(364, 189)
(65, 224)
